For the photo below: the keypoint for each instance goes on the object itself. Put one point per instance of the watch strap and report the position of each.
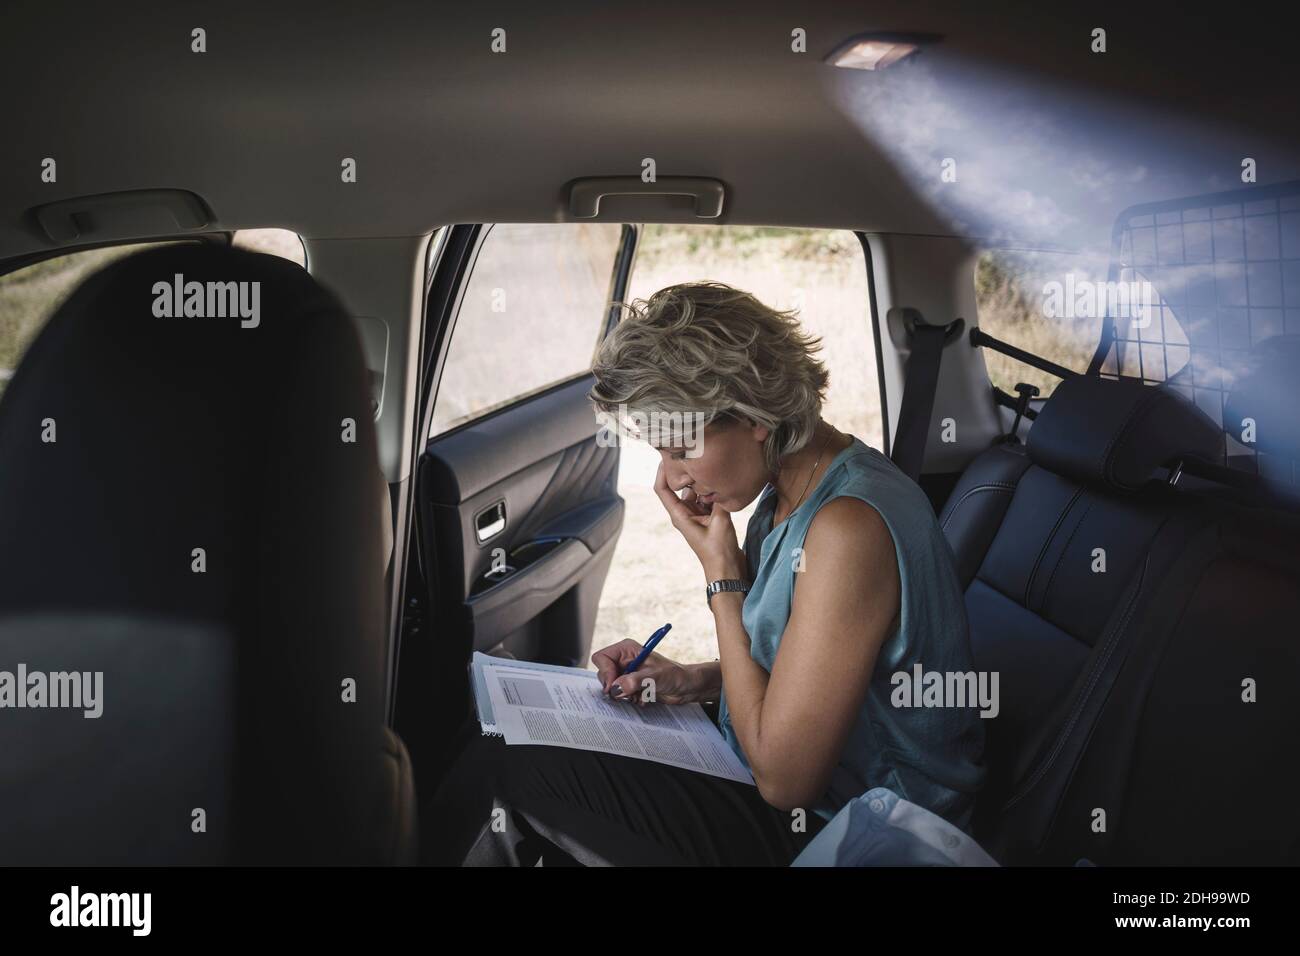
(724, 584)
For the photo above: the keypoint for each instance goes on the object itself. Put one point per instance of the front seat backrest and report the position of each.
(188, 507)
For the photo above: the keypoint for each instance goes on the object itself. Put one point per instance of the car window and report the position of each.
(1225, 277)
(1050, 303)
(821, 273)
(534, 309)
(276, 242)
(31, 295)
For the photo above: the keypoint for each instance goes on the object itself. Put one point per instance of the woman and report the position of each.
(845, 581)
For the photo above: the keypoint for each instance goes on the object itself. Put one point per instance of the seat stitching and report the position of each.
(1107, 469)
(990, 486)
(1065, 547)
(1056, 526)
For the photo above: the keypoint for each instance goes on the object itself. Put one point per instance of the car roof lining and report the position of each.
(445, 131)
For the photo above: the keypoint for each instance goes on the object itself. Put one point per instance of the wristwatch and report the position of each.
(726, 584)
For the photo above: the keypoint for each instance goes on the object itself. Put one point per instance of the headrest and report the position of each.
(175, 449)
(1267, 394)
(1115, 432)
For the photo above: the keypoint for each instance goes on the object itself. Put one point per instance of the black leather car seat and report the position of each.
(184, 509)
(1083, 570)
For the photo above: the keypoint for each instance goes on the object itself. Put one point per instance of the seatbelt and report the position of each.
(918, 398)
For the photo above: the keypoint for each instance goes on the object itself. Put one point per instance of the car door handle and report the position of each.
(490, 522)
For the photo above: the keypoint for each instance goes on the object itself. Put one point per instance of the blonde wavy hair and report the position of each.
(705, 348)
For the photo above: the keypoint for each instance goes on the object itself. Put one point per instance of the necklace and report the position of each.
(811, 473)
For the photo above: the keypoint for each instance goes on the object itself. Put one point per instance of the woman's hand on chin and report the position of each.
(708, 529)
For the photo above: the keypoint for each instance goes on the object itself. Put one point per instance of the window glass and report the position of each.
(31, 295)
(819, 272)
(1222, 277)
(1049, 303)
(533, 311)
(276, 242)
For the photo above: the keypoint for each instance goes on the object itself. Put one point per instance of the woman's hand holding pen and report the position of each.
(674, 683)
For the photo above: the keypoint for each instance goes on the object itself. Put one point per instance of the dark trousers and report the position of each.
(532, 805)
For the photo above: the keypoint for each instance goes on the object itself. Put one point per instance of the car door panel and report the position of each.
(558, 485)
(533, 467)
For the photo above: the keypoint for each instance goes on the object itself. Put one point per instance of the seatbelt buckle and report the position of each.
(1026, 393)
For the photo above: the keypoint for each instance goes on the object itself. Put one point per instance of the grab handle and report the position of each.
(585, 194)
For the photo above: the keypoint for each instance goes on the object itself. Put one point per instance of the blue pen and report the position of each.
(655, 638)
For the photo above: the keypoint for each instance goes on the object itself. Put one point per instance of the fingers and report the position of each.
(679, 512)
(720, 522)
(610, 660)
(628, 687)
(692, 501)
(630, 684)
(706, 520)
(672, 504)
(661, 483)
(617, 690)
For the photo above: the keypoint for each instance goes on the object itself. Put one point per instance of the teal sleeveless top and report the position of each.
(932, 756)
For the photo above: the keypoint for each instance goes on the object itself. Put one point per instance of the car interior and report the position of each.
(1128, 540)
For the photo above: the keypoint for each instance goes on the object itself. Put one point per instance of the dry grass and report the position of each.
(1005, 287)
(31, 295)
(509, 341)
